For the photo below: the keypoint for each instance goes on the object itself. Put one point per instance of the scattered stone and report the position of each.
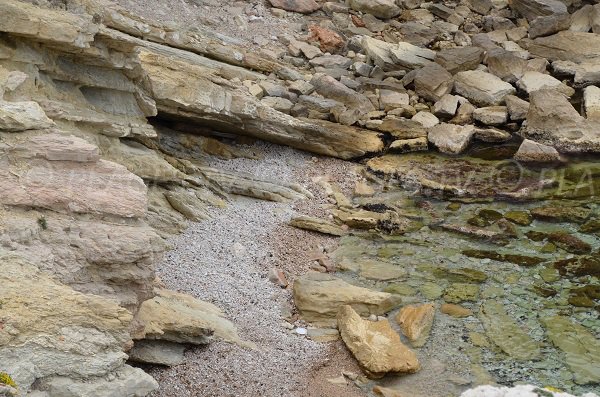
(157, 352)
(416, 322)
(280, 104)
(403, 129)
(579, 266)
(389, 100)
(426, 119)
(277, 276)
(410, 56)
(561, 214)
(482, 88)
(519, 217)
(451, 138)
(492, 135)
(376, 346)
(569, 243)
(591, 102)
(329, 40)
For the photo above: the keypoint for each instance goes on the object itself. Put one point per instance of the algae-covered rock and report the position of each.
(460, 275)
(561, 214)
(570, 243)
(506, 333)
(461, 292)
(317, 225)
(591, 226)
(519, 217)
(581, 348)
(588, 265)
(373, 269)
(400, 289)
(521, 260)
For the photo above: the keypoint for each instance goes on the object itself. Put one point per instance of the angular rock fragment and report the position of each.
(491, 115)
(376, 346)
(451, 138)
(22, 116)
(432, 82)
(157, 352)
(517, 108)
(446, 106)
(535, 81)
(459, 59)
(409, 145)
(492, 135)
(482, 88)
(318, 225)
(591, 102)
(567, 46)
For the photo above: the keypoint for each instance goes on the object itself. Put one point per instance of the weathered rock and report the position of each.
(519, 217)
(410, 56)
(389, 100)
(459, 59)
(373, 269)
(482, 88)
(533, 152)
(552, 120)
(569, 243)
(22, 116)
(402, 128)
(432, 82)
(506, 65)
(357, 104)
(536, 8)
(176, 317)
(319, 297)
(492, 135)
(586, 72)
(301, 6)
(384, 9)
(451, 138)
(547, 25)
(535, 81)
(581, 348)
(552, 213)
(506, 334)
(416, 322)
(157, 352)
(376, 346)
(330, 41)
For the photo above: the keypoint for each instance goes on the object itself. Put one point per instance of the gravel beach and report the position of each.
(226, 260)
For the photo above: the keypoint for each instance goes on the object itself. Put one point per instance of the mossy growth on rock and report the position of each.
(588, 265)
(522, 260)
(591, 226)
(5, 379)
(519, 217)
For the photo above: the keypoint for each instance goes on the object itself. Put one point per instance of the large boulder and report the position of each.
(376, 346)
(319, 297)
(482, 88)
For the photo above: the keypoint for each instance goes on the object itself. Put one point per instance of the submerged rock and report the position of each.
(553, 213)
(462, 292)
(376, 346)
(416, 322)
(581, 348)
(517, 259)
(455, 310)
(319, 296)
(587, 265)
(507, 334)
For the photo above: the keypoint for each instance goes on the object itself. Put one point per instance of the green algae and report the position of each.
(560, 214)
(460, 275)
(462, 292)
(570, 243)
(586, 265)
(521, 260)
(519, 217)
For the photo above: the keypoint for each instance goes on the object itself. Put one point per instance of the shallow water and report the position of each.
(534, 292)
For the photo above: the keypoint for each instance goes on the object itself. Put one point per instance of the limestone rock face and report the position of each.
(376, 346)
(319, 296)
(416, 322)
(43, 340)
(21, 116)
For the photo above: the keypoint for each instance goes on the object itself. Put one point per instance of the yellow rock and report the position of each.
(455, 310)
(375, 345)
(416, 322)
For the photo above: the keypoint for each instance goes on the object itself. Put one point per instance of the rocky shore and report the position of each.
(299, 197)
